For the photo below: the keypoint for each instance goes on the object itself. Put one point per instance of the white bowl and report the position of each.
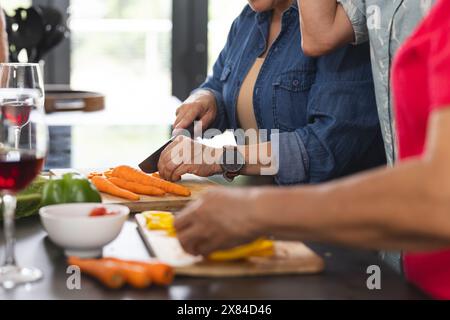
(70, 227)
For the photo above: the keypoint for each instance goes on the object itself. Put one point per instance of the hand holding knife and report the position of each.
(150, 165)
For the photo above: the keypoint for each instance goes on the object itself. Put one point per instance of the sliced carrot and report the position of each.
(105, 186)
(133, 175)
(137, 188)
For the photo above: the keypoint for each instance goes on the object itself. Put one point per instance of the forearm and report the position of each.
(257, 158)
(384, 209)
(324, 26)
(3, 38)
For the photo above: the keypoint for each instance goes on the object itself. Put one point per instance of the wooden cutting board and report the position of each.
(197, 185)
(290, 258)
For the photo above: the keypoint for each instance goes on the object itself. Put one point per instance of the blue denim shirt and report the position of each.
(324, 108)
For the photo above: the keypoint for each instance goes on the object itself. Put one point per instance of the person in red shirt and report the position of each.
(402, 208)
(421, 86)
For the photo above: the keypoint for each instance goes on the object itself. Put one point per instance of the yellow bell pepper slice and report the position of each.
(164, 221)
(258, 248)
(160, 221)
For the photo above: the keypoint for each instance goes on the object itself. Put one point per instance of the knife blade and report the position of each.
(150, 165)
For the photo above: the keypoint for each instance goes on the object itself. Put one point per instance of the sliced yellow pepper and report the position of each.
(259, 248)
(164, 221)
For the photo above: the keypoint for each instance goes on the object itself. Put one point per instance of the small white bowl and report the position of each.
(70, 227)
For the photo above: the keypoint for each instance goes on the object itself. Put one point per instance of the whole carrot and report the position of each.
(105, 186)
(107, 174)
(137, 188)
(135, 275)
(107, 273)
(133, 175)
(160, 274)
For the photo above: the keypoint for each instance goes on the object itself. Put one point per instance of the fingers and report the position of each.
(178, 173)
(176, 160)
(207, 119)
(182, 222)
(189, 231)
(191, 239)
(167, 163)
(187, 216)
(187, 114)
(200, 107)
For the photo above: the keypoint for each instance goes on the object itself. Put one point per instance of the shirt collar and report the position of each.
(264, 16)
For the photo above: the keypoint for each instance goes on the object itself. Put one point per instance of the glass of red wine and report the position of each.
(23, 148)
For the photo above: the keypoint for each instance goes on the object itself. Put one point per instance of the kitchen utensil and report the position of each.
(150, 165)
(55, 30)
(289, 258)
(70, 227)
(25, 31)
(69, 100)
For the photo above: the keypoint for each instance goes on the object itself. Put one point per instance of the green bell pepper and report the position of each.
(29, 200)
(70, 188)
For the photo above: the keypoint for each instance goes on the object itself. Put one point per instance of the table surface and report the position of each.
(345, 276)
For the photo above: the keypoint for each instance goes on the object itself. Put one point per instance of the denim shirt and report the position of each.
(324, 108)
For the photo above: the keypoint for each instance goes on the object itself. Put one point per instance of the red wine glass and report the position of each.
(23, 148)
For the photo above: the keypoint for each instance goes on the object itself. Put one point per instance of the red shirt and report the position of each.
(421, 85)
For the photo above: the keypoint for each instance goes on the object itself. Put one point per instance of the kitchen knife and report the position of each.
(150, 165)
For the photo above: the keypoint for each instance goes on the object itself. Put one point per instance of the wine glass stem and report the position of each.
(17, 133)
(9, 208)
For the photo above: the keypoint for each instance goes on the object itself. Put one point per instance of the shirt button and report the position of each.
(295, 83)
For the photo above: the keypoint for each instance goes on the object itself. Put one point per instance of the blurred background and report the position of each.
(156, 47)
(144, 56)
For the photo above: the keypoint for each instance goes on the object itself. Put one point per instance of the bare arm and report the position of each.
(324, 25)
(3, 38)
(405, 208)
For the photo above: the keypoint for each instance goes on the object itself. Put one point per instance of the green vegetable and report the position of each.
(29, 200)
(71, 188)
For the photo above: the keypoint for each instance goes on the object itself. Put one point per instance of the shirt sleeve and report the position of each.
(356, 12)
(343, 131)
(439, 69)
